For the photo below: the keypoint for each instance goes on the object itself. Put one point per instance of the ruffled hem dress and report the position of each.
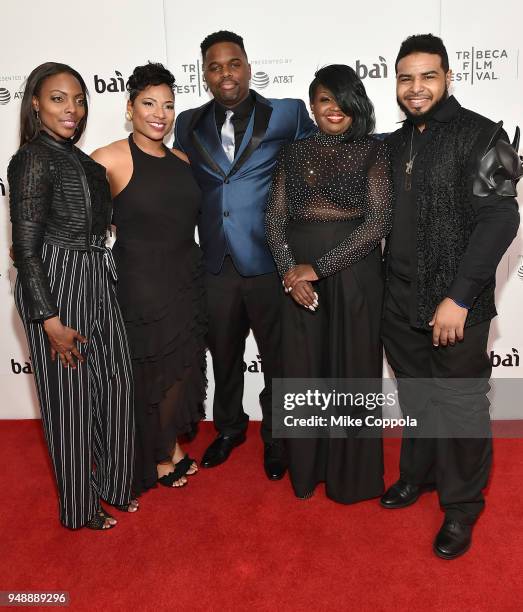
(162, 297)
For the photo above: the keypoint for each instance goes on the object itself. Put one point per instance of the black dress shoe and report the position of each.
(220, 449)
(400, 495)
(453, 539)
(274, 460)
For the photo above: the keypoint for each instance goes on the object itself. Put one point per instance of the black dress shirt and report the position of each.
(240, 119)
(402, 244)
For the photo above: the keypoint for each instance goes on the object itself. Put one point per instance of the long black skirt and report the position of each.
(340, 340)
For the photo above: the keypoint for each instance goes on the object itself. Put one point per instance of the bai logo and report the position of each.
(113, 84)
(509, 360)
(372, 71)
(255, 366)
(18, 368)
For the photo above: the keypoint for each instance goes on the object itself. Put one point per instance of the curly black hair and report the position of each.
(424, 43)
(219, 37)
(152, 73)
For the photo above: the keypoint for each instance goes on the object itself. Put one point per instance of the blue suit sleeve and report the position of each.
(305, 125)
(177, 137)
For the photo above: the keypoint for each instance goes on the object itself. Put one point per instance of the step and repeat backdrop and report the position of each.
(286, 43)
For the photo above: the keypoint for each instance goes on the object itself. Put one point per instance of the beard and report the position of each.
(422, 118)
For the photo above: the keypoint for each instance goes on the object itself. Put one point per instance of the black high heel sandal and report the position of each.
(98, 523)
(186, 464)
(169, 479)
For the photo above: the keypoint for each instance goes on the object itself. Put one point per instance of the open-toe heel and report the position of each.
(98, 522)
(185, 465)
(169, 479)
(125, 507)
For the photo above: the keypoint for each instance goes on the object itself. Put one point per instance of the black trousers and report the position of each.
(458, 466)
(237, 304)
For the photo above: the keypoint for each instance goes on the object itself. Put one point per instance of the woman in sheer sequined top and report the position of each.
(328, 211)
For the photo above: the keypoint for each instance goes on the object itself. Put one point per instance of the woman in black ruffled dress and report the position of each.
(160, 290)
(330, 207)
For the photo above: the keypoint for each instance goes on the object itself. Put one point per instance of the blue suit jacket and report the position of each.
(235, 194)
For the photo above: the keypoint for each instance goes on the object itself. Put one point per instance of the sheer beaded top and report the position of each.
(327, 178)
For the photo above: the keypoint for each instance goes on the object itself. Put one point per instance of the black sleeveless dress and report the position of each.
(161, 294)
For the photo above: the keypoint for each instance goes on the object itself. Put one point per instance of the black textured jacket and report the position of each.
(460, 238)
(58, 195)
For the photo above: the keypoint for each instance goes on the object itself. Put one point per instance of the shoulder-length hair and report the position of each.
(349, 92)
(29, 124)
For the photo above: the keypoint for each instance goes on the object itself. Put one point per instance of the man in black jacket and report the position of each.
(454, 217)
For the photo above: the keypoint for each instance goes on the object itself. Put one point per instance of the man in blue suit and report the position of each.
(232, 143)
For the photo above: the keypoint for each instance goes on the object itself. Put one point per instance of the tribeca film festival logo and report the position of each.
(2, 188)
(193, 83)
(475, 65)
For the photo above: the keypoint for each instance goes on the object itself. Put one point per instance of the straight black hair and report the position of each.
(349, 92)
(424, 43)
(29, 124)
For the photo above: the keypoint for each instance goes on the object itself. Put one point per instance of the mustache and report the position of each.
(419, 119)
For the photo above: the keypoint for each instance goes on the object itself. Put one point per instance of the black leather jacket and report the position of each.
(58, 195)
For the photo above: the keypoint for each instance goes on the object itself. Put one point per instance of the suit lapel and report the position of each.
(262, 115)
(206, 141)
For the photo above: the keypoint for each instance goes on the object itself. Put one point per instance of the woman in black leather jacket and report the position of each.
(61, 207)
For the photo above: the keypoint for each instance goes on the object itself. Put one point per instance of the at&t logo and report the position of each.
(5, 95)
(260, 80)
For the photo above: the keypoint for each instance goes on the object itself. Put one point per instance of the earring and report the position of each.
(128, 116)
(38, 117)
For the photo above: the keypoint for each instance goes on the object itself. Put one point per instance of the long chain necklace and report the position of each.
(410, 164)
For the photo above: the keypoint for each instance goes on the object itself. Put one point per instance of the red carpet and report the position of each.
(232, 540)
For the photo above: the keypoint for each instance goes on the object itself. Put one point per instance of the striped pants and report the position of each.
(87, 413)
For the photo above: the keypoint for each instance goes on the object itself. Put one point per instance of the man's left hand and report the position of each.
(302, 272)
(448, 323)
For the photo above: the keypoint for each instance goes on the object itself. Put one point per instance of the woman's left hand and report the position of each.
(302, 272)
